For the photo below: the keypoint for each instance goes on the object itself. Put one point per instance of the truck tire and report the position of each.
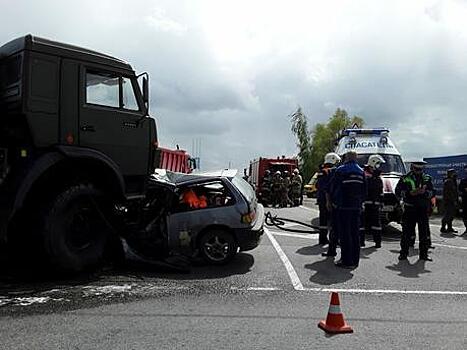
(217, 247)
(75, 232)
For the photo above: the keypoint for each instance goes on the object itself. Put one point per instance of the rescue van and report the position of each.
(366, 142)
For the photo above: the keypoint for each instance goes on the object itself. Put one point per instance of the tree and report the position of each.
(313, 145)
(302, 133)
(324, 136)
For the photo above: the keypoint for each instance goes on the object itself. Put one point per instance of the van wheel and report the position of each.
(218, 247)
(75, 233)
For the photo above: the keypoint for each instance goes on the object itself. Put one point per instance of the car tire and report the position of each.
(217, 247)
(75, 231)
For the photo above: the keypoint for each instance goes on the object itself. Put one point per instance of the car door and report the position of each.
(110, 119)
(185, 223)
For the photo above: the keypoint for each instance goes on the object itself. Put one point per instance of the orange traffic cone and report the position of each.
(335, 323)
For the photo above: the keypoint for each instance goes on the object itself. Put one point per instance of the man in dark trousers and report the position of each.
(324, 175)
(450, 198)
(416, 190)
(347, 192)
(371, 215)
(463, 194)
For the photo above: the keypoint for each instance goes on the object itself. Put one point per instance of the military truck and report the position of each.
(77, 148)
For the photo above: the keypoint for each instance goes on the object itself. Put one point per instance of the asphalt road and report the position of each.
(270, 298)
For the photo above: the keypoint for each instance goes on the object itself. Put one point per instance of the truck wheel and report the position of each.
(217, 246)
(75, 234)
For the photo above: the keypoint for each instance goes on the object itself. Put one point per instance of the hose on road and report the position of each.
(273, 220)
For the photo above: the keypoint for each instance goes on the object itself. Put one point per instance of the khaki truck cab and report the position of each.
(76, 148)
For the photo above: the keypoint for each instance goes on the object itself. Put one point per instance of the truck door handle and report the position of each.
(88, 128)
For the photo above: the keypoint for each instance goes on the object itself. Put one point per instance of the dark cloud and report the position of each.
(232, 83)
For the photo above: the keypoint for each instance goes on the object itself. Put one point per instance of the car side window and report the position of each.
(207, 195)
(102, 89)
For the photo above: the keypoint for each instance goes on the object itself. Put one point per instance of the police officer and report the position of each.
(416, 190)
(463, 194)
(450, 198)
(324, 175)
(371, 214)
(347, 192)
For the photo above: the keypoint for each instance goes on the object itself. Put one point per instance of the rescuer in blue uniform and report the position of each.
(347, 192)
(416, 190)
(324, 176)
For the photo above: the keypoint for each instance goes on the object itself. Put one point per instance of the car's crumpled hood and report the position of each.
(173, 179)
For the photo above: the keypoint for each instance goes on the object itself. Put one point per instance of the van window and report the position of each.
(393, 163)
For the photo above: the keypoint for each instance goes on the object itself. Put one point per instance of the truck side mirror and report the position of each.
(193, 163)
(145, 90)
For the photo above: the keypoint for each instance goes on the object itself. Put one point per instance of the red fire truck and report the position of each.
(259, 166)
(174, 160)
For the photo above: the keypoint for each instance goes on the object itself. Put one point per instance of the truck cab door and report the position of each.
(111, 120)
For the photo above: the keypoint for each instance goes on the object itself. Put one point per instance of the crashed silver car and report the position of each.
(212, 215)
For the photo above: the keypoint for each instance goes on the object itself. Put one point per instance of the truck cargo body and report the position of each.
(259, 166)
(174, 160)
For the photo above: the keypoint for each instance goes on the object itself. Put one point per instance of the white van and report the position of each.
(366, 142)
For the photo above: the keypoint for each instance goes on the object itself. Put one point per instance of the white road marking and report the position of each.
(310, 209)
(386, 291)
(296, 235)
(449, 246)
(297, 284)
(263, 288)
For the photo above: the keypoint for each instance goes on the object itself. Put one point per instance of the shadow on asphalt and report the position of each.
(312, 250)
(18, 283)
(448, 235)
(196, 269)
(327, 273)
(408, 270)
(365, 252)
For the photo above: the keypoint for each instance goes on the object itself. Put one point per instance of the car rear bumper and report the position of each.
(249, 238)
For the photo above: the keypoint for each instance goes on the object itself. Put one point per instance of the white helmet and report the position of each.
(296, 171)
(375, 161)
(332, 158)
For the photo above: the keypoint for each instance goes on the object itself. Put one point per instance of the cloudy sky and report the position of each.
(226, 74)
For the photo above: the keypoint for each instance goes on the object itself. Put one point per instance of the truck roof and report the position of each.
(35, 43)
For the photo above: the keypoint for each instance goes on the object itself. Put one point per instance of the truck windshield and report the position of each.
(393, 163)
(10, 71)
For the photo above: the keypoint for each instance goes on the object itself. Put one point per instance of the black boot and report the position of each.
(425, 257)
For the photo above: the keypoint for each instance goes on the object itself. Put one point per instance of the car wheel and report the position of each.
(218, 247)
(75, 233)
